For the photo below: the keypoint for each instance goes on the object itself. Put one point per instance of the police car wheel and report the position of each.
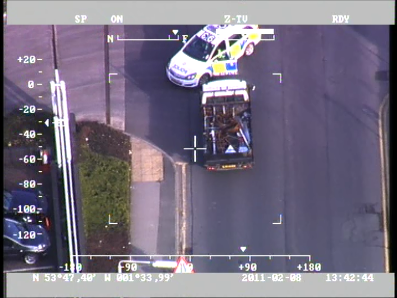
(204, 80)
(249, 50)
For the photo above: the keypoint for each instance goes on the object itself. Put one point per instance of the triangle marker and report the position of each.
(183, 266)
(47, 122)
(175, 31)
(230, 150)
(243, 248)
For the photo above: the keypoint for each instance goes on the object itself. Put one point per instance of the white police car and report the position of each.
(192, 66)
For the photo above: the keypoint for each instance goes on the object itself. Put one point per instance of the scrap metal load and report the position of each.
(226, 111)
(229, 128)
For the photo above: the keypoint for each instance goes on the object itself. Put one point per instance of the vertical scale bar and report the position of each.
(69, 165)
(65, 173)
(56, 124)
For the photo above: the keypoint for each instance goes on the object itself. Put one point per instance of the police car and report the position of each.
(193, 65)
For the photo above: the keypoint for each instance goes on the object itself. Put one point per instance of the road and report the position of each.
(156, 110)
(316, 146)
(316, 136)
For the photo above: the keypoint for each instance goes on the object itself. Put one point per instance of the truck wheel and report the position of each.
(204, 79)
(249, 50)
(30, 259)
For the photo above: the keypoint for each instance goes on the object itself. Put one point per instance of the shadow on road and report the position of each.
(165, 108)
(13, 95)
(377, 35)
(373, 43)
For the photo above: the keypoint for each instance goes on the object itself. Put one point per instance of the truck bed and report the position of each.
(228, 138)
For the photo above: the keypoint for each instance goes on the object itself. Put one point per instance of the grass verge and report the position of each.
(104, 170)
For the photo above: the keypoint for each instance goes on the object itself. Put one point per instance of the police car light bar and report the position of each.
(247, 31)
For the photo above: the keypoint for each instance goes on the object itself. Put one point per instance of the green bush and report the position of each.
(17, 122)
(105, 186)
(104, 140)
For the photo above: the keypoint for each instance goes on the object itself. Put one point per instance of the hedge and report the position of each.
(105, 186)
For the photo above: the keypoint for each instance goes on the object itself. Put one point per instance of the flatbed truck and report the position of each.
(226, 111)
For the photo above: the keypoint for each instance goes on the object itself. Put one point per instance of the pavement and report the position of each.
(386, 119)
(152, 200)
(384, 142)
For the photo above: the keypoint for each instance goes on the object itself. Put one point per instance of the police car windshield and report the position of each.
(198, 49)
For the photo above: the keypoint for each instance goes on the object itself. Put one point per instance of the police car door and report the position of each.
(236, 45)
(220, 52)
(222, 64)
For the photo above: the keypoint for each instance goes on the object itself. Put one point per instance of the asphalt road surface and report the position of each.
(315, 136)
(316, 147)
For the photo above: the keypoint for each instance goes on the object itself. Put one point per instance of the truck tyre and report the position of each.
(30, 259)
(249, 50)
(204, 79)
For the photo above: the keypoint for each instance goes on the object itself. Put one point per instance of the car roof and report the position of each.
(10, 227)
(217, 33)
(13, 227)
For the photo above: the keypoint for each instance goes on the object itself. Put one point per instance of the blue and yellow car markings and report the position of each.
(223, 67)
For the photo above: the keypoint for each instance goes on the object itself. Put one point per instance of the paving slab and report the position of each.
(145, 208)
(147, 162)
